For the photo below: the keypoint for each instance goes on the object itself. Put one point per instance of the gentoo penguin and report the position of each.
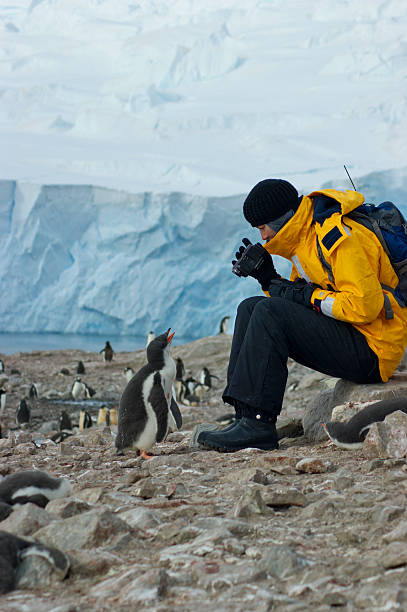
(205, 377)
(64, 371)
(65, 422)
(224, 325)
(147, 409)
(33, 486)
(89, 392)
(80, 368)
(1, 366)
(78, 390)
(23, 413)
(85, 420)
(33, 392)
(3, 399)
(188, 397)
(13, 550)
(150, 337)
(107, 352)
(180, 369)
(129, 373)
(351, 435)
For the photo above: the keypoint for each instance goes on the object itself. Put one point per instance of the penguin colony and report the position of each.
(147, 409)
(350, 435)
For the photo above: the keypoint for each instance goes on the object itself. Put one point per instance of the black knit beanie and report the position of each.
(269, 200)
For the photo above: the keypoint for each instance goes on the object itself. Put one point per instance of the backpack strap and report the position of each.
(371, 224)
(387, 305)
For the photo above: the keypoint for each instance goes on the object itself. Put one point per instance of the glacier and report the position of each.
(85, 259)
(131, 132)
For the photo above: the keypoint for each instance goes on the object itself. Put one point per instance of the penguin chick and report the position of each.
(33, 486)
(33, 392)
(89, 392)
(80, 368)
(180, 369)
(147, 409)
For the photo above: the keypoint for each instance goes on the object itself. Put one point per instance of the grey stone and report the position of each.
(67, 506)
(26, 520)
(251, 502)
(283, 497)
(282, 562)
(94, 528)
(140, 518)
(317, 412)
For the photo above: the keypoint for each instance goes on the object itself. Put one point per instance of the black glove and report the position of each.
(298, 291)
(253, 260)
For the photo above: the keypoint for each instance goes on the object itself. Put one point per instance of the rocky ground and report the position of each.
(308, 526)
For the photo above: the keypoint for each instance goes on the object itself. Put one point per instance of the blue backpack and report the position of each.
(389, 225)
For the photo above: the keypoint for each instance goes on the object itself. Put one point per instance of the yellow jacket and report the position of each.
(360, 267)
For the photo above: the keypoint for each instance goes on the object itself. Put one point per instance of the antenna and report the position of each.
(350, 178)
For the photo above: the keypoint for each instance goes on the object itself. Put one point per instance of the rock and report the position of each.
(313, 465)
(388, 439)
(94, 528)
(251, 502)
(67, 507)
(140, 518)
(247, 475)
(26, 520)
(289, 427)
(283, 497)
(282, 562)
(397, 534)
(197, 430)
(395, 555)
(319, 411)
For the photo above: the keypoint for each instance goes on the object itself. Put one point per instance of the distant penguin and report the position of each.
(205, 377)
(33, 486)
(60, 436)
(129, 373)
(23, 413)
(147, 409)
(33, 392)
(78, 390)
(113, 416)
(3, 399)
(180, 369)
(150, 337)
(107, 352)
(103, 416)
(224, 325)
(64, 371)
(65, 421)
(13, 550)
(80, 368)
(188, 395)
(85, 420)
(89, 392)
(351, 435)
(1, 366)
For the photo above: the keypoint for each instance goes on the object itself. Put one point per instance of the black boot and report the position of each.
(256, 430)
(238, 415)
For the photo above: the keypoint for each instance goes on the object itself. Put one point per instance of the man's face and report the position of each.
(266, 232)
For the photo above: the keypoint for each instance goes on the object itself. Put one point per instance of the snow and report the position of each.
(132, 130)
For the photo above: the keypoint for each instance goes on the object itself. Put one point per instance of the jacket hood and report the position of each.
(330, 201)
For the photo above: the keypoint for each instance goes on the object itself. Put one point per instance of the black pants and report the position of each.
(269, 330)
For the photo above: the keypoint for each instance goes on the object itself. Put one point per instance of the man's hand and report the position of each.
(253, 260)
(298, 291)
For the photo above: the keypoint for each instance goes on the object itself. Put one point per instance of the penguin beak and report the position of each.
(169, 337)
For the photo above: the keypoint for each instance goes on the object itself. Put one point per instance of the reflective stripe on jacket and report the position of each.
(359, 265)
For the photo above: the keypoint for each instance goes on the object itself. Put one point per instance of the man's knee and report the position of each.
(248, 305)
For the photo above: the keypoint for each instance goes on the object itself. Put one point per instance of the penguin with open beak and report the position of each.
(147, 409)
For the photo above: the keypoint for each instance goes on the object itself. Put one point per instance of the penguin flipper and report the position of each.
(159, 404)
(176, 413)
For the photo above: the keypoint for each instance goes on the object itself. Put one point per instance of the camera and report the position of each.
(251, 260)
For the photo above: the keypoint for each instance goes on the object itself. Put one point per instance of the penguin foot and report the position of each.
(146, 455)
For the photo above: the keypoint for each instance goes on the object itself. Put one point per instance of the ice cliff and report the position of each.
(93, 260)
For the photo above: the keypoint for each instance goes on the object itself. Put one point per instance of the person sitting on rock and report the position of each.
(342, 318)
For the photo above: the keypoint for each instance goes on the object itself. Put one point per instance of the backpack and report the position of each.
(387, 222)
